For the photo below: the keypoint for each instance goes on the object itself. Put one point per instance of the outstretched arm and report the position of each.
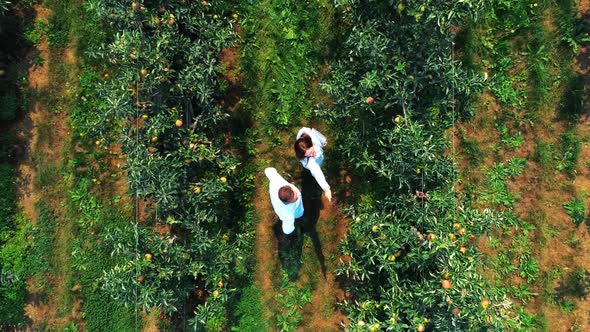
(317, 173)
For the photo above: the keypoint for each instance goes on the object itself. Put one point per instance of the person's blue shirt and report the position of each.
(287, 212)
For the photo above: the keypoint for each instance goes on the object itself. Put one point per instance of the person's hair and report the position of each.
(302, 144)
(286, 193)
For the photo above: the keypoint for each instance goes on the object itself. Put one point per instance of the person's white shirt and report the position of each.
(313, 163)
(287, 212)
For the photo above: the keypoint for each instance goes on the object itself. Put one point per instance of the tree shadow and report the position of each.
(576, 283)
(290, 247)
(582, 28)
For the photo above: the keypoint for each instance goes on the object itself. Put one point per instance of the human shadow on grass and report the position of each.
(291, 247)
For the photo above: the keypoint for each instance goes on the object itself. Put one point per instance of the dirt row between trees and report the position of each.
(543, 195)
(321, 313)
(44, 134)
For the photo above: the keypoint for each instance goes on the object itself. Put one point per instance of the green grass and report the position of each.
(496, 182)
(58, 26)
(42, 243)
(544, 155)
(538, 59)
(47, 175)
(14, 231)
(569, 147)
(102, 312)
(7, 196)
(250, 312)
(576, 209)
(91, 257)
(291, 299)
(472, 150)
(281, 58)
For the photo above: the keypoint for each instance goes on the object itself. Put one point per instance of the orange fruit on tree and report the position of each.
(370, 100)
(421, 328)
(148, 256)
(141, 278)
(178, 123)
(461, 231)
(485, 303)
(463, 250)
(446, 284)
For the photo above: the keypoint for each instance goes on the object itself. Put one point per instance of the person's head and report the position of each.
(287, 194)
(303, 147)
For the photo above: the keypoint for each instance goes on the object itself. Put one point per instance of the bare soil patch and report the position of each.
(27, 131)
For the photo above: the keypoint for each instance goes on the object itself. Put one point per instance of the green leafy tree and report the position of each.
(159, 102)
(409, 258)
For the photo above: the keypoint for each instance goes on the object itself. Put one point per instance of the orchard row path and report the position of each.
(543, 192)
(44, 134)
(265, 63)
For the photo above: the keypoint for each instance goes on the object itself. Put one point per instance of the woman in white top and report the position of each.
(309, 150)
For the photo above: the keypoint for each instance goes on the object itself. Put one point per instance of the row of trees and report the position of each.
(409, 257)
(158, 99)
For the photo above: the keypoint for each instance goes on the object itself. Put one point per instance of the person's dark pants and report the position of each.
(310, 188)
(289, 242)
(291, 239)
